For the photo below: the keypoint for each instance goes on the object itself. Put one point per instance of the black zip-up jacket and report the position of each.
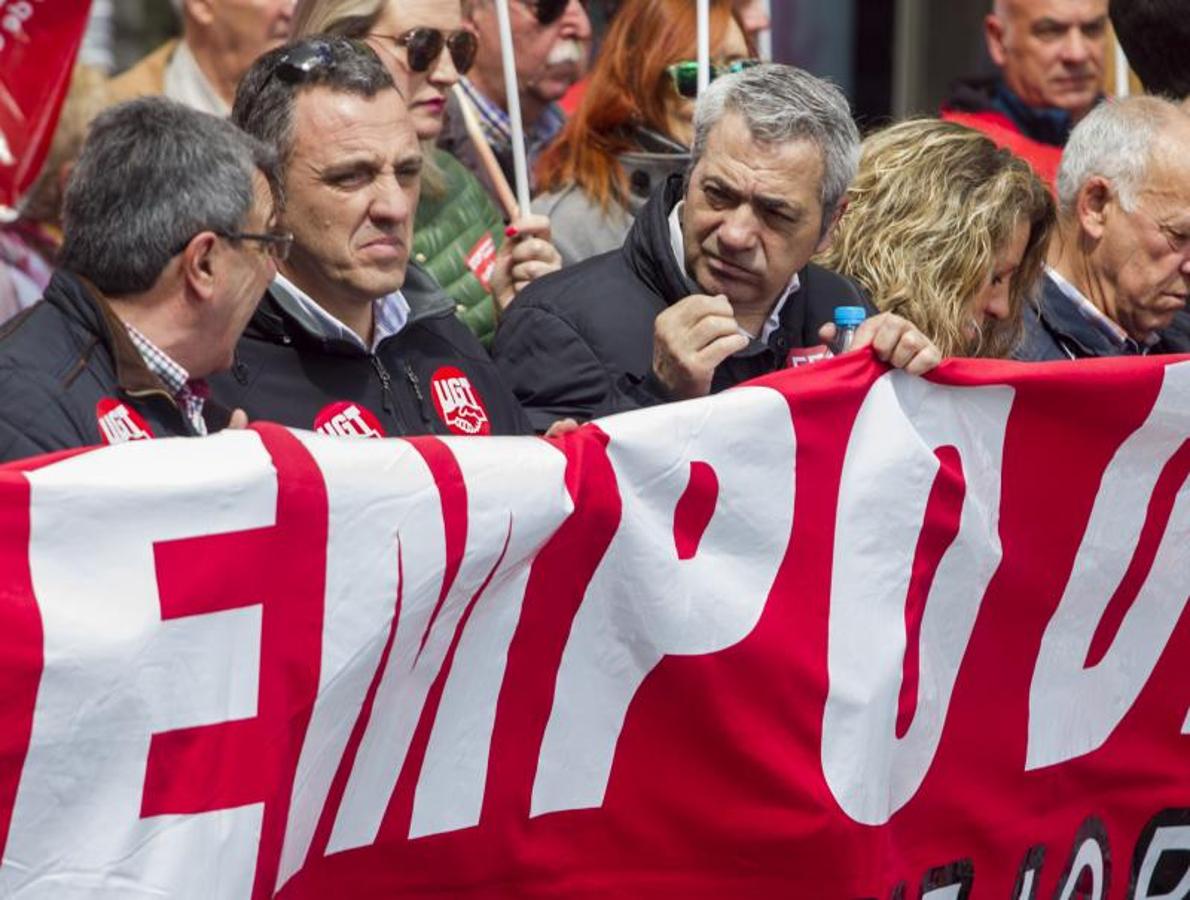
(432, 377)
(579, 342)
(66, 357)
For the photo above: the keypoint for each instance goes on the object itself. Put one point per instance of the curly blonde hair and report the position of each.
(932, 205)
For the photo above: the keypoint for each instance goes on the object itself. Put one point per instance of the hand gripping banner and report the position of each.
(840, 633)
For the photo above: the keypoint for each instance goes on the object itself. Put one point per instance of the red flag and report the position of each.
(39, 40)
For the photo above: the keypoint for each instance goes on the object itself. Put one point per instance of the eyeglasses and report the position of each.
(684, 74)
(276, 243)
(547, 12)
(423, 46)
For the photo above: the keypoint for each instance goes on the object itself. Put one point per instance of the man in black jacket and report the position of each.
(713, 284)
(167, 248)
(351, 339)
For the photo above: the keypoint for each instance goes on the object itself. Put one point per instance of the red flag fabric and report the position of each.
(39, 40)
(839, 633)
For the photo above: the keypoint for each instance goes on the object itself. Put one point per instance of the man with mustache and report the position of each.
(1119, 268)
(1050, 57)
(713, 285)
(351, 339)
(552, 40)
(220, 39)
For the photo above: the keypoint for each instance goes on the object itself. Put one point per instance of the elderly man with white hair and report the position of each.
(1120, 264)
(220, 39)
(552, 40)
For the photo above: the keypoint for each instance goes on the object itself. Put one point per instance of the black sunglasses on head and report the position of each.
(423, 46)
(547, 12)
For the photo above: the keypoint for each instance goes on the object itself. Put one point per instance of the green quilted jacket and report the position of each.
(455, 239)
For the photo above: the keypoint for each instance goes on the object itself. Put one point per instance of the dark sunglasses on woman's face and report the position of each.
(547, 12)
(423, 46)
(684, 74)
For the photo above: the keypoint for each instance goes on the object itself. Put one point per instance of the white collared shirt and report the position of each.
(186, 83)
(1096, 316)
(677, 243)
(390, 313)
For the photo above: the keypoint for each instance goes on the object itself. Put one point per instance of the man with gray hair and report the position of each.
(168, 246)
(1120, 263)
(713, 285)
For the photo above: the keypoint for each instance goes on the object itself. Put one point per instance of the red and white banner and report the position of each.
(39, 40)
(841, 633)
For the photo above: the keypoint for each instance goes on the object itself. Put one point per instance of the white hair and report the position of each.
(1114, 141)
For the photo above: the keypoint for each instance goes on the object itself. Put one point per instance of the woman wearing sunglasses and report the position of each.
(634, 125)
(459, 234)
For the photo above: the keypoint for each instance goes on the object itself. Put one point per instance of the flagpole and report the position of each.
(765, 38)
(704, 45)
(520, 162)
(1123, 88)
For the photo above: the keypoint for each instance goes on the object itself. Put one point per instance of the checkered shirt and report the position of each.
(189, 393)
(497, 127)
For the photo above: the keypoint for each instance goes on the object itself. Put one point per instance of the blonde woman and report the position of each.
(459, 235)
(947, 230)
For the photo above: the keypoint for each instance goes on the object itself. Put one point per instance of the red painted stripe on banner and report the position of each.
(21, 643)
(452, 489)
(334, 797)
(395, 825)
(1165, 493)
(944, 509)
(694, 509)
(283, 569)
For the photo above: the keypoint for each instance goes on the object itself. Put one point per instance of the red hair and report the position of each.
(628, 86)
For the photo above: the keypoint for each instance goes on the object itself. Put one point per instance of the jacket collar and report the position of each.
(78, 299)
(648, 250)
(279, 319)
(1063, 319)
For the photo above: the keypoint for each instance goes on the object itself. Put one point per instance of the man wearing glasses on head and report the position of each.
(351, 338)
(169, 242)
(552, 40)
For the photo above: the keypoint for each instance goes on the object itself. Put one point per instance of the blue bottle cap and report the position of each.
(849, 316)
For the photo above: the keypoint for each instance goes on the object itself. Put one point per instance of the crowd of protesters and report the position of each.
(302, 213)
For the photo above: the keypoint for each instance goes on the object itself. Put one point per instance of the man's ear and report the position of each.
(828, 235)
(198, 265)
(993, 33)
(202, 11)
(1091, 206)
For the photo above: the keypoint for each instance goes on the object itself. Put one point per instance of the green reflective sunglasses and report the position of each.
(684, 74)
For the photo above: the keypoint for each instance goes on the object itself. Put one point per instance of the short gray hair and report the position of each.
(265, 99)
(782, 103)
(1115, 141)
(152, 174)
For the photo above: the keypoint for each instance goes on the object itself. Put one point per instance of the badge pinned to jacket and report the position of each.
(458, 403)
(120, 423)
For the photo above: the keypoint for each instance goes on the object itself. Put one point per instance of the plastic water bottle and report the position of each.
(847, 320)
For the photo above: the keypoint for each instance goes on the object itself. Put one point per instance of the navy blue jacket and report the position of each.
(1055, 329)
(63, 356)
